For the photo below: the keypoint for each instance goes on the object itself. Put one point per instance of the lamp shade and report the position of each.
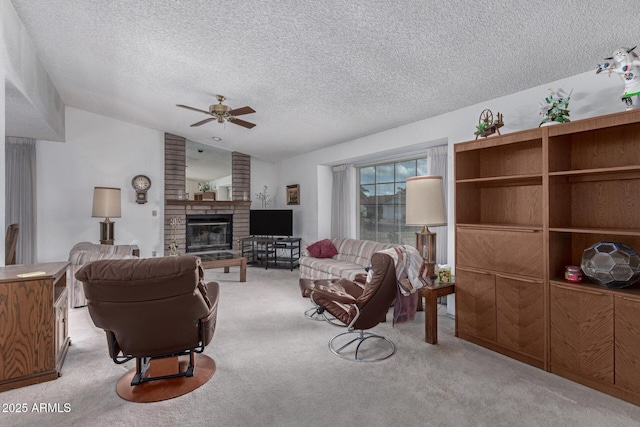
(106, 202)
(425, 201)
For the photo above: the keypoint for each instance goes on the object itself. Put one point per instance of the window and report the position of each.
(382, 200)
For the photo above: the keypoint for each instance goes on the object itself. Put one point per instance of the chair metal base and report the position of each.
(318, 313)
(380, 352)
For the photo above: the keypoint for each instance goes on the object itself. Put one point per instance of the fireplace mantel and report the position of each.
(217, 203)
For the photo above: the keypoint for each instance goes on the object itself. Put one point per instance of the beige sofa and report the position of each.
(83, 252)
(353, 257)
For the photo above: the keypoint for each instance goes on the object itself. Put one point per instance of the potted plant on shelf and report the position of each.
(555, 108)
(205, 194)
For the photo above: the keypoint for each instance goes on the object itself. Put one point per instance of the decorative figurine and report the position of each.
(627, 64)
(173, 244)
(486, 125)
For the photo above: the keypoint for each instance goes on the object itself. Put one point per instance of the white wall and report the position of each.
(263, 173)
(98, 152)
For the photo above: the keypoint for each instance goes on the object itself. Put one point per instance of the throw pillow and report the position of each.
(322, 249)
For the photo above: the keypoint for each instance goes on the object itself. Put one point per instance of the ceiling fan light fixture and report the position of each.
(221, 113)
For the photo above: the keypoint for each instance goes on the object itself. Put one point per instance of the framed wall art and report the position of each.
(293, 194)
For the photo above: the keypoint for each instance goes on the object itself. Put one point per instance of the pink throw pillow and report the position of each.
(322, 249)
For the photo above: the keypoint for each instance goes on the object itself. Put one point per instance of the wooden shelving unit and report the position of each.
(527, 205)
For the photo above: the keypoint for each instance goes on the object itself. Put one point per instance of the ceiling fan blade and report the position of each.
(241, 123)
(242, 110)
(203, 121)
(191, 108)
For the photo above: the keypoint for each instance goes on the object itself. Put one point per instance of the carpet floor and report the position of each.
(274, 369)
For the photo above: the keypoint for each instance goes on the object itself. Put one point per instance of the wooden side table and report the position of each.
(35, 334)
(431, 294)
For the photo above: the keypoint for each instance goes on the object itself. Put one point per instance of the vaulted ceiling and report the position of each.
(318, 73)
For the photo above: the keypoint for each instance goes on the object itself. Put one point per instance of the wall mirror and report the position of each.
(208, 172)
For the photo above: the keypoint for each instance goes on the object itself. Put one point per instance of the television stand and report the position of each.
(272, 251)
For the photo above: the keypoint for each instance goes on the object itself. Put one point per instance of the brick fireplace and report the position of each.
(237, 209)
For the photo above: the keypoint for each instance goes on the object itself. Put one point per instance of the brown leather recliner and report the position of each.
(151, 308)
(360, 308)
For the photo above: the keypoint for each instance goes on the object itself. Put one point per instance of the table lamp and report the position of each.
(426, 207)
(106, 203)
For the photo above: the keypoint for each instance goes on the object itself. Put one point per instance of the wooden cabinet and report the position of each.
(501, 312)
(582, 333)
(520, 317)
(595, 337)
(475, 305)
(627, 343)
(33, 333)
(527, 205)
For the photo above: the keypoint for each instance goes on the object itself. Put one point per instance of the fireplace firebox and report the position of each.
(209, 232)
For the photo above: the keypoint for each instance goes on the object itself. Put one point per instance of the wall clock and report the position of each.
(141, 184)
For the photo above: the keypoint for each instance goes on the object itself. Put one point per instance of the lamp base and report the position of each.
(107, 231)
(426, 245)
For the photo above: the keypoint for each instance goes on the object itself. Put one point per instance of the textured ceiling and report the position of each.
(317, 73)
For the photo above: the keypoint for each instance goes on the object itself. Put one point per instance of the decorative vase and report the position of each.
(611, 264)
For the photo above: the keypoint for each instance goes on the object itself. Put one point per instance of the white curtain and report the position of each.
(437, 165)
(340, 203)
(20, 194)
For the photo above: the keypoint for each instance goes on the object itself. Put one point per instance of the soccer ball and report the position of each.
(611, 264)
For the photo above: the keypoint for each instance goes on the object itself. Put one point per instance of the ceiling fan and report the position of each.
(222, 113)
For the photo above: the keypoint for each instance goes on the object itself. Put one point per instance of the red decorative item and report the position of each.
(573, 274)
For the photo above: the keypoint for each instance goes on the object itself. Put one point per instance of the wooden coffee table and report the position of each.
(225, 260)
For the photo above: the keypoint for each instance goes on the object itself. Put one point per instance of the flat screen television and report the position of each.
(271, 222)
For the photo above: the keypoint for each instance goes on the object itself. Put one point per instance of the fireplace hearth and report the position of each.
(209, 232)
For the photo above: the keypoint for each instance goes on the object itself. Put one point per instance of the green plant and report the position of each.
(204, 186)
(481, 127)
(556, 107)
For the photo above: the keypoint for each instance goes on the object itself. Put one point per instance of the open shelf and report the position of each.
(502, 226)
(504, 181)
(600, 231)
(596, 148)
(632, 171)
(511, 204)
(500, 161)
(567, 246)
(610, 203)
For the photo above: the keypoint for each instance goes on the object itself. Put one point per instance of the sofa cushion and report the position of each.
(358, 251)
(323, 268)
(322, 249)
